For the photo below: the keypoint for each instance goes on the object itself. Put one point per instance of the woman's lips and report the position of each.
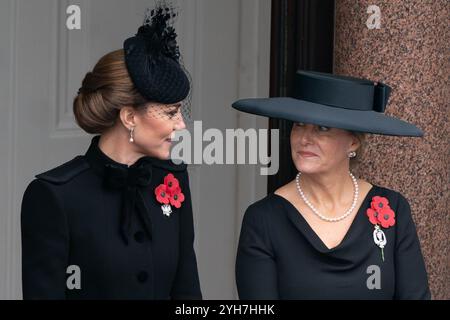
(306, 154)
(169, 140)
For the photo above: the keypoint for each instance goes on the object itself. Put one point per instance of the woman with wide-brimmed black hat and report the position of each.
(117, 222)
(328, 234)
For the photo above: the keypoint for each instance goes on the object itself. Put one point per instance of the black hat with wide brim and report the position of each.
(334, 101)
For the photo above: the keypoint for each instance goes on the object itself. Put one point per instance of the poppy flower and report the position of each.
(386, 217)
(379, 203)
(373, 216)
(380, 213)
(177, 198)
(172, 183)
(162, 194)
(170, 192)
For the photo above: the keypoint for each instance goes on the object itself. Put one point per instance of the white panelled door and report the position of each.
(226, 48)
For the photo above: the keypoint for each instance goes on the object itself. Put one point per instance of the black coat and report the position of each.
(104, 218)
(281, 257)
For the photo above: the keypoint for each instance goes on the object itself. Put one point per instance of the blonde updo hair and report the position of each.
(104, 92)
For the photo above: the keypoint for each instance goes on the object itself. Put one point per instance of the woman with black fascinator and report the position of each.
(117, 223)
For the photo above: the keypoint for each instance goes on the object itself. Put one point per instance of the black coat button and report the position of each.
(139, 236)
(142, 276)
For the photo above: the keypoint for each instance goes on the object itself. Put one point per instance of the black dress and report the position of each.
(103, 217)
(281, 257)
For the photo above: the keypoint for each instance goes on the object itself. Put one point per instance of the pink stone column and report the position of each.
(410, 52)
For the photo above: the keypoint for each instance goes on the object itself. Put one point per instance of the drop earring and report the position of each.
(132, 135)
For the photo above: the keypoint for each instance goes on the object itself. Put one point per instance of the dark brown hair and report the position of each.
(104, 91)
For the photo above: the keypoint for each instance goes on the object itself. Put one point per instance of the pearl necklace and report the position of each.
(317, 213)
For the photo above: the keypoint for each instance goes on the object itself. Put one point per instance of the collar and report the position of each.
(99, 161)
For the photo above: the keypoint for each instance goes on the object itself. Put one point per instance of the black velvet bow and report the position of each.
(130, 181)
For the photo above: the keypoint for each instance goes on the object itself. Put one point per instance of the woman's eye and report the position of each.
(172, 113)
(324, 129)
(300, 124)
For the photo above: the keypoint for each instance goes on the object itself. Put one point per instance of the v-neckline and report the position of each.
(300, 222)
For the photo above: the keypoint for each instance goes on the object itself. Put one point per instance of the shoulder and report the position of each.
(262, 209)
(256, 224)
(46, 185)
(400, 205)
(65, 172)
(163, 168)
(396, 199)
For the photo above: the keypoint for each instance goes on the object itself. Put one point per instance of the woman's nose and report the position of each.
(306, 133)
(180, 125)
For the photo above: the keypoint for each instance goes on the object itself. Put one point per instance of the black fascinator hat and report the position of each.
(152, 57)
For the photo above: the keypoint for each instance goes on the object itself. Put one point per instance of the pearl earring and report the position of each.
(352, 154)
(132, 135)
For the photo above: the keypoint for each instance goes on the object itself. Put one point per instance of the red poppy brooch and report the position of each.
(169, 194)
(380, 214)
